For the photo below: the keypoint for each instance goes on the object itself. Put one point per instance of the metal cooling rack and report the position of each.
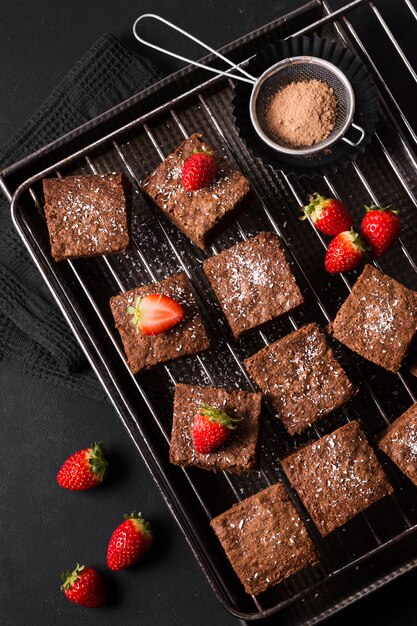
(377, 545)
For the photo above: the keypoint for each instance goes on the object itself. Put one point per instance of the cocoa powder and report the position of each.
(302, 114)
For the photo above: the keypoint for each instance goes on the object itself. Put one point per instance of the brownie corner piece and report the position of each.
(301, 377)
(264, 539)
(253, 282)
(86, 215)
(378, 319)
(399, 442)
(186, 338)
(199, 214)
(240, 453)
(337, 477)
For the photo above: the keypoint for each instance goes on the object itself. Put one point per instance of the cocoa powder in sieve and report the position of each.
(302, 114)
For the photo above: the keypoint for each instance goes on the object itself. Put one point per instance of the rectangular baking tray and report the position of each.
(378, 545)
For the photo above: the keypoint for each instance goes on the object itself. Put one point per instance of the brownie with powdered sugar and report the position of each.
(399, 442)
(264, 539)
(301, 378)
(86, 215)
(378, 320)
(337, 477)
(199, 214)
(240, 453)
(253, 283)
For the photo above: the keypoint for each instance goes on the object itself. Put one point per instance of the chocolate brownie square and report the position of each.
(378, 319)
(301, 377)
(253, 282)
(337, 477)
(187, 337)
(399, 442)
(86, 215)
(200, 214)
(240, 453)
(264, 539)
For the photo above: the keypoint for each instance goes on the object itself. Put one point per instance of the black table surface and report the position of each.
(43, 528)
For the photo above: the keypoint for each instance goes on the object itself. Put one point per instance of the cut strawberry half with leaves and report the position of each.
(85, 469)
(84, 586)
(329, 215)
(198, 171)
(345, 252)
(211, 429)
(380, 228)
(129, 542)
(155, 314)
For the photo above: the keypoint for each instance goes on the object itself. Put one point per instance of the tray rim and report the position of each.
(88, 347)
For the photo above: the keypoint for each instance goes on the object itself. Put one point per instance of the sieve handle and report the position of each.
(244, 75)
(362, 135)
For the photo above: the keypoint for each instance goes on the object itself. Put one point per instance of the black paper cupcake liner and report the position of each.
(340, 154)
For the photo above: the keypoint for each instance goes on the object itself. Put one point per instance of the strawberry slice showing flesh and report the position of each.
(155, 314)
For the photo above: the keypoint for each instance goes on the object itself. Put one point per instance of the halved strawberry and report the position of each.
(211, 429)
(329, 215)
(346, 251)
(155, 314)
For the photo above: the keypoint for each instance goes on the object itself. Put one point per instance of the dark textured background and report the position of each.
(44, 529)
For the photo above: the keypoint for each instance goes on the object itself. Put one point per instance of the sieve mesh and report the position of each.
(299, 69)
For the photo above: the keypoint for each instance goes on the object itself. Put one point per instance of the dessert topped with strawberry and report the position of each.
(215, 429)
(159, 322)
(380, 228)
(199, 170)
(329, 215)
(198, 189)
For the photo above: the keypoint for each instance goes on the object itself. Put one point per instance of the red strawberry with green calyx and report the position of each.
(380, 228)
(211, 429)
(328, 215)
(346, 251)
(199, 170)
(84, 586)
(129, 542)
(85, 469)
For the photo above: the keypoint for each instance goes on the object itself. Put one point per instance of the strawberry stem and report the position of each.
(374, 207)
(218, 416)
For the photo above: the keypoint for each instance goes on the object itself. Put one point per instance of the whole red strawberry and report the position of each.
(380, 228)
(129, 542)
(211, 429)
(83, 470)
(198, 171)
(329, 215)
(345, 252)
(84, 586)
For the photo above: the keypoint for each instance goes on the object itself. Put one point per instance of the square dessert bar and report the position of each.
(86, 215)
(301, 378)
(378, 319)
(253, 282)
(240, 453)
(188, 337)
(399, 442)
(264, 539)
(337, 477)
(198, 214)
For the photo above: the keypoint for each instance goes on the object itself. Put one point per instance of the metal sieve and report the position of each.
(293, 69)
